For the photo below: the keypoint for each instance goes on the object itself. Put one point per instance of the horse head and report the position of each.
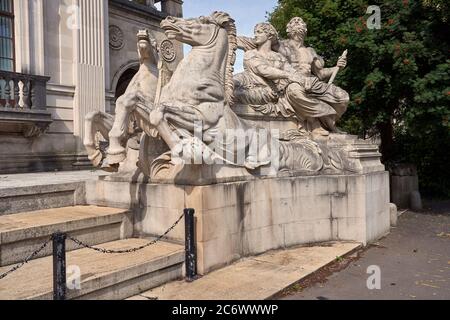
(146, 46)
(195, 32)
(205, 32)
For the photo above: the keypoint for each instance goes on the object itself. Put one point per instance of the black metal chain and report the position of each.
(103, 250)
(80, 243)
(30, 257)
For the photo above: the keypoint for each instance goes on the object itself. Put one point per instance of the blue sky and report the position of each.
(247, 14)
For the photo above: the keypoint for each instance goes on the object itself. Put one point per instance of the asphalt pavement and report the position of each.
(412, 262)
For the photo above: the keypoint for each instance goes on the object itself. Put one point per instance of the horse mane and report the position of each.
(225, 21)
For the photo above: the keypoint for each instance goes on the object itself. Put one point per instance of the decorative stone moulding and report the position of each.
(116, 37)
(167, 51)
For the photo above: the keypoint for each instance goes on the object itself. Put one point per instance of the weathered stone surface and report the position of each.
(245, 218)
(394, 214)
(113, 276)
(78, 83)
(252, 191)
(226, 146)
(37, 191)
(40, 197)
(22, 233)
(401, 189)
(256, 278)
(416, 201)
(295, 80)
(403, 169)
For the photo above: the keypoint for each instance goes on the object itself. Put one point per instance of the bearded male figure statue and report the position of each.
(316, 103)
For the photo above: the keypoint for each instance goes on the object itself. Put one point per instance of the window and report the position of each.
(6, 35)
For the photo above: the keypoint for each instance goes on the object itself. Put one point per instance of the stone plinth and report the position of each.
(404, 181)
(362, 156)
(244, 218)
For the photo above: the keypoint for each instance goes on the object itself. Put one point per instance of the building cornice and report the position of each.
(62, 90)
(138, 9)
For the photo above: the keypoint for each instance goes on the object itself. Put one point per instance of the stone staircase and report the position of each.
(103, 276)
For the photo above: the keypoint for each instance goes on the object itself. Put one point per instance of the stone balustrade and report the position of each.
(23, 91)
(23, 103)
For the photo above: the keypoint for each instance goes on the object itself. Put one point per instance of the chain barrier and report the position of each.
(110, 251)
(24, 262)
(82, 244)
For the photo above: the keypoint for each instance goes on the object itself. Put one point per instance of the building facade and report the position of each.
(60, 60)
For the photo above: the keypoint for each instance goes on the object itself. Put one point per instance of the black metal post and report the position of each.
(59, 266)
(191, 249)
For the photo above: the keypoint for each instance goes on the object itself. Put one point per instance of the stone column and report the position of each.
(172, 7)
(36, 24)
(29, 36)
(91, 64)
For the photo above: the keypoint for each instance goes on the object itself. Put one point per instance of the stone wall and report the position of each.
(44, 47)
(404, 182)
(239, 219)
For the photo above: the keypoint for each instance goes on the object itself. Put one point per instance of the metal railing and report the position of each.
(59, 239)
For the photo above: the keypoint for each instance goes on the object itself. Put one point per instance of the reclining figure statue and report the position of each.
(286, 78)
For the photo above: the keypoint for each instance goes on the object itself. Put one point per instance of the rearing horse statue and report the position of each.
(201, 91)
(193, 111)
(130, 107)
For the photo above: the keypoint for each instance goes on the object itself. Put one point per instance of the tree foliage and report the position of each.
(398, 75)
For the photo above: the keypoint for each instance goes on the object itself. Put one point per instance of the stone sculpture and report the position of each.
(200, 92)
(186, 118)
(131, 112)
(256, 182)
(297, 87)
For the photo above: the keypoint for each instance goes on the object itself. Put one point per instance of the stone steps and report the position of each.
(103, 276)
(35, 206)
(38, 191)
(27, 198)
(22, 233)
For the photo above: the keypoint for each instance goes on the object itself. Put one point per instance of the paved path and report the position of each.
(255, 278)
(414, 261)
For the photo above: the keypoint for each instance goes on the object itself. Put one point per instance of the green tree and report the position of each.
(398, 75)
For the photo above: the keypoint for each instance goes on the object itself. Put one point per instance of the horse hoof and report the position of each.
(110, 167)
(96, 158)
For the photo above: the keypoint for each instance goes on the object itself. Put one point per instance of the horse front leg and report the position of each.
(119, 133)
(96, 121)
(158, 121)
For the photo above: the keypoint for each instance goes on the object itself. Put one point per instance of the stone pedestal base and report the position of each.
(404, 182)
(244, 218)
